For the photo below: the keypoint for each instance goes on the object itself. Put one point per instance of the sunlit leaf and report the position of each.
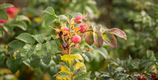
(118, 32)
(39, 37)
(22, 18)
(50, 11)
(21, 25)
(26, 37)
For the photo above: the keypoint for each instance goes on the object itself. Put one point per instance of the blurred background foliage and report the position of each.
(136, 56)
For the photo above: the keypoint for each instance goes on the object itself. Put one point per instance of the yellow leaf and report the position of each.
(64, 69)
(79, 65)
(5, 71)
(58, 77)
(71, 57)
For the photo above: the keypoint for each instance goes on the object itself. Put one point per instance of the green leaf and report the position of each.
(38, 47)
(14, 64)
(103, 52)
(2, 59)
(39, 38)
(35, 60)
(3, 15)
(82, 76)
(5, 5)
(46, 59)
(63, 18)
(6, 29)
(26, 37)
(1, 33)
(49, 17)
(21, 25)
(16, 44)
(48, 20)
(50, 11)
(150, 55)
(23, 18)
(85, 57)
(52, 46)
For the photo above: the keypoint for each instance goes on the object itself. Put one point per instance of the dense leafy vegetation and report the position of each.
(64, 40)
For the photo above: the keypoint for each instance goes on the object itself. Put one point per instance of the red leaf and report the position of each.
(118, 32)
(112, 42)
(98, 40)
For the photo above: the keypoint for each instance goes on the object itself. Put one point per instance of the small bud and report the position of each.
(78, 19)
(76, 39)
(12, 12)
(141, 77)
(83, 28)
(154, 76)
(2, 21)
(66, 29)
